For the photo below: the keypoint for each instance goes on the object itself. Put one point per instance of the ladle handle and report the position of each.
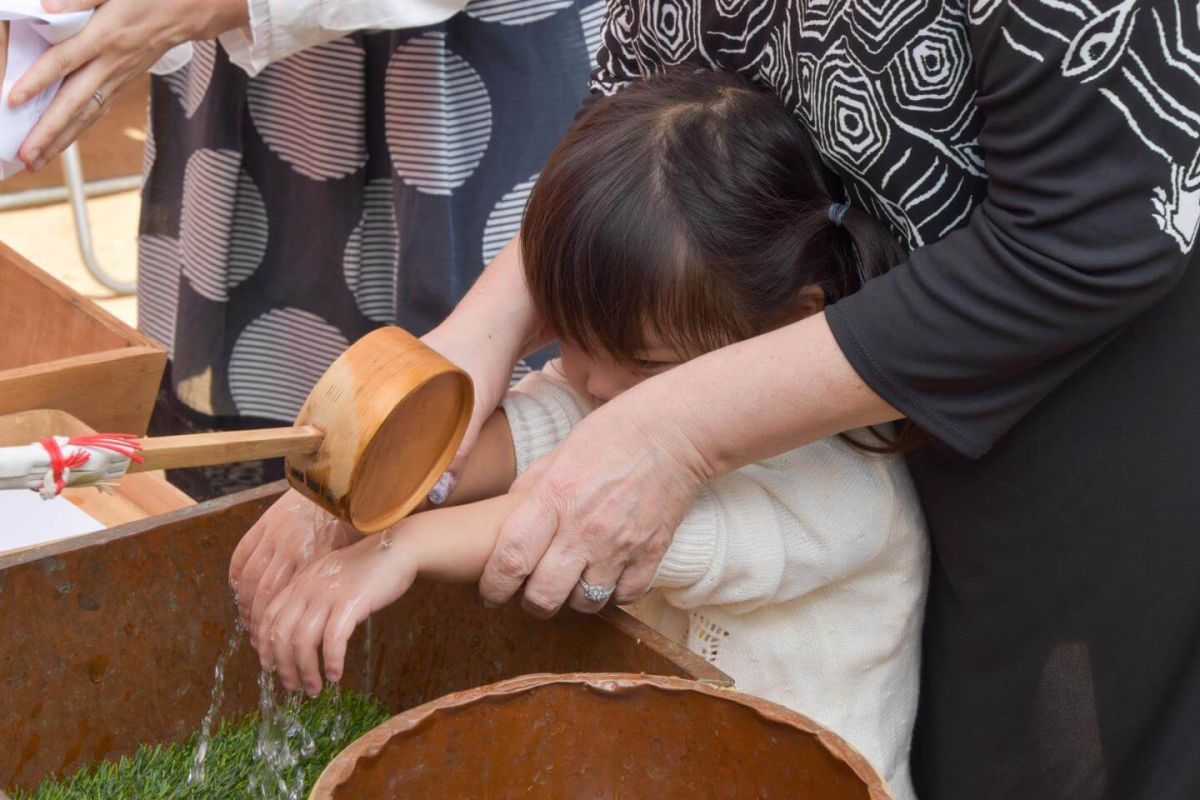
(226, 447)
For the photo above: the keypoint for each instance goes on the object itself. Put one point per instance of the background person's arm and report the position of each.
(126, 37)
(122, 40)
(278, 28)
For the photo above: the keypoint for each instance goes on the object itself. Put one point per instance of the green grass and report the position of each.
(160, 772)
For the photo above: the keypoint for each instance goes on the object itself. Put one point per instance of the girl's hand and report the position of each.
(122, 40)
(293, 533)
(323, 606)
(603, 506)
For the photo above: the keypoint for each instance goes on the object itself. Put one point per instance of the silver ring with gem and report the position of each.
(98, 96)
(597, 594)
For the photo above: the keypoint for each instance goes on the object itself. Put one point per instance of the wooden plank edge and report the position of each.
(134, 337)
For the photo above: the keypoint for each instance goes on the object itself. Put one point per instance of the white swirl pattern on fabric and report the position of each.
(1150, 86)
(439, 116)
(371, 259)
(885, 86)
(278, 359)
(317, 127)
(223, 229)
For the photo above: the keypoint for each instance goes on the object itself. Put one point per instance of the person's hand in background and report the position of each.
(122, 40)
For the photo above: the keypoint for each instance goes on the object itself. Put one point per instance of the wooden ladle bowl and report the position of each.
(371, 440)
(393, 412)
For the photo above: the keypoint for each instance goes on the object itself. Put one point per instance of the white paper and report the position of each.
(31, 32)
(27, 520)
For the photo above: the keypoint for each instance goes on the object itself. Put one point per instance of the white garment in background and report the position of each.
(279, 28)
(803, 577)
(31, 32)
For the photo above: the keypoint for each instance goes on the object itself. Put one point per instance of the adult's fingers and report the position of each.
(603, 576)
(74, 108)
(523, 540)
(57, 63)
(637, 579)
(550, 584)
(66, 6)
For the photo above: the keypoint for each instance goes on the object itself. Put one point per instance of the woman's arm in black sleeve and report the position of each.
(1090, 140)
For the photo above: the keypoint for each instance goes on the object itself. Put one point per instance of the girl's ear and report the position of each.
(809, 300)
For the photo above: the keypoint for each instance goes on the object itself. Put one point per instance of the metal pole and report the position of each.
(77, 190)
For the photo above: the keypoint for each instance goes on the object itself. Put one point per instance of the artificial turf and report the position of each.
(160, 772)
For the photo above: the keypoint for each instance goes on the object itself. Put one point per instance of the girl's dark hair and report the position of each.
(693, 204)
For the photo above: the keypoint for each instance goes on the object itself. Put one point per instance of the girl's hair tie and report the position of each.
(837, 212)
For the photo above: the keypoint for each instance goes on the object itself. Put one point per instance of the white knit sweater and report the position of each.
(802, 577)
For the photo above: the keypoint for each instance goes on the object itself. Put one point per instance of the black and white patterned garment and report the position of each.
(1040, 157)
(362, 182)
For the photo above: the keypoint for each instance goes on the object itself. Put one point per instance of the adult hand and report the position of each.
(122, 40)
(603, 506)
(293, 533)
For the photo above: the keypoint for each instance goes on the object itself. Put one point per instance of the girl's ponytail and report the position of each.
(866, 249)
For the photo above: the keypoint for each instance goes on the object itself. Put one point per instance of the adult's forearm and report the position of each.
(498, 308)
(762, 397)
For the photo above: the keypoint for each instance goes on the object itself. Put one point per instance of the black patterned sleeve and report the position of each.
(1090, 139)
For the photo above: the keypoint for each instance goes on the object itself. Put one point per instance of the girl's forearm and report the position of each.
(790, 387)
(452, 545)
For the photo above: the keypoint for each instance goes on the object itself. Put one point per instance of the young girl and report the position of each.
(679, 216)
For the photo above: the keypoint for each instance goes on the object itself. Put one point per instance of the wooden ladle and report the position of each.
(371, 440)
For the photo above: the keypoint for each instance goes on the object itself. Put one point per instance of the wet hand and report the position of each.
(603, 506)
(293, 533)
(122, 40)
(324, 604)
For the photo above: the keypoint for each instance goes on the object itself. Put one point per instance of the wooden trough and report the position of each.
(109, 641)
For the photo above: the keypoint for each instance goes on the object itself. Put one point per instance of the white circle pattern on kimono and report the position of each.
(149, 150)
(310, 109)
(158, 288)
(505, 219)
(515, 12)
(190, 84)
(223, 229)
(371, 259)
(277, 360)
(439, 116)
